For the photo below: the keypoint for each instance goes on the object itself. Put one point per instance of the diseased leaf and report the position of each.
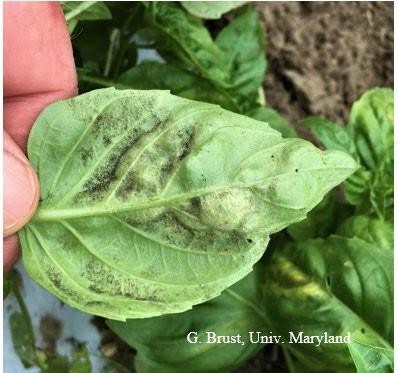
(210, 9)
(330, 134)
(338, 285)
(370, 358)
(371, 125)
(242, 43)
(151, 203)
(275, 120)
(237, 311)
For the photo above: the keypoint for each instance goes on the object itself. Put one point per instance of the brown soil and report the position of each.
(323, 55)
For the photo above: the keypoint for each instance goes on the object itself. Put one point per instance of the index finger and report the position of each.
(38, 63)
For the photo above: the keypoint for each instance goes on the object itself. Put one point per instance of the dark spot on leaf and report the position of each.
(86, 155)
(106, 140)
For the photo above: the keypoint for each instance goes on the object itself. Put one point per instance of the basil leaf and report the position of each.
(338, 285)
(371, 359)
(357, 189)
(237, 311)
(319, 222)
(187, 39)
(330, 134)
(151, 203)
(275, 120)
(76, 11)
(382, 193)
(242, 43)
(371, 125)
(211, 10)
(8, 283)
(154, 75)
(23, 339)
(371, 230)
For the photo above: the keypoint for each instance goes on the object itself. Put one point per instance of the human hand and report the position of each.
(38, 69)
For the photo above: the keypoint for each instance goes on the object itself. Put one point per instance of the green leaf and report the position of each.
(22, 339)
(338, 285)
(151, 203)
(55, 364)
(112, 366)
(81, 361)
(371, 230)
(319, 222)
(371, 192)
(211, 10)
(85, 10)
(275, 120)
(154, 75)
(242, 43)
(371, 359)
(8, 283)
(22, 335)
(330, 134)
(187, 39)
(382, 193)
(237, 311)
(371, 125)
(235, 62)
(357, 189)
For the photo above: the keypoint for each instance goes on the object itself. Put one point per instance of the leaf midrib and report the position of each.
(46, 214)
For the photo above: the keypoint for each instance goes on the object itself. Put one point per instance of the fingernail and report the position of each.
(20, 191)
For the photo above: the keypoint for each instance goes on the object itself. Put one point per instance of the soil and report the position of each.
(50, 330)
(323, 55)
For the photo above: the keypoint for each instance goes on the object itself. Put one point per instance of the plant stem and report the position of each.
(124, 39)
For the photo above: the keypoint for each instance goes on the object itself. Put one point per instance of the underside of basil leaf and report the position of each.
(210, 10)
(151, 203)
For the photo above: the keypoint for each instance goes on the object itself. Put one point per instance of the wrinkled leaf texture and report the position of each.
(369, 138)
(151, 203)
(371, 125)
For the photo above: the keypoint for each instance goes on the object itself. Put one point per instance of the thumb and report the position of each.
(21, 188)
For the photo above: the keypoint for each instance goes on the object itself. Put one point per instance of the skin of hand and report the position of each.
(38, 69)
